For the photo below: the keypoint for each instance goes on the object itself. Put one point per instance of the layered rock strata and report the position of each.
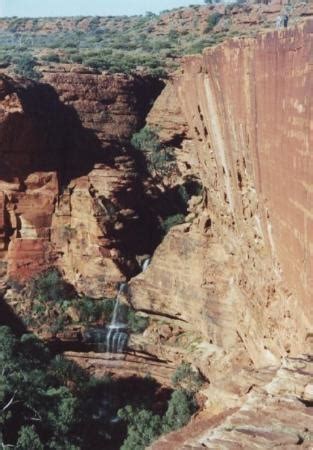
(70, 194)
(124, 365)
(241, 268)
(279, 414)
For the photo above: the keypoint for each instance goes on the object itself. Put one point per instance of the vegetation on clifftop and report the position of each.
(150, 43)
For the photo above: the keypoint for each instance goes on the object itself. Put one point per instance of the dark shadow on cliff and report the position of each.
(154, 205)
(49, 136)
(9, 318)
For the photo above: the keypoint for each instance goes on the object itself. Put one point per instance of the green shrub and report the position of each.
(50, 285)
(180, 408)
(25, 66)
(143, 427)
(187, 378)
(77, 59)
(160, 158)
(212, 20)
(28, 439)
(53, 57)
(91, 310)
(146, 139)
(5, 60)
(136, 323)
(171, 221)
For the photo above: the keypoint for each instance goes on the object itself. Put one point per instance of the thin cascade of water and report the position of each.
(108, 338)
(122, 342)
(114, 341)
(115, 316)
(117, 337)
(146, 264)
(120, 338)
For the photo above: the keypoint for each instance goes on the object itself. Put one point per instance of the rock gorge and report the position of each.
(229, 290)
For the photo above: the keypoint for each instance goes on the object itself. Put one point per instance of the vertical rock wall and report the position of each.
(241, 269)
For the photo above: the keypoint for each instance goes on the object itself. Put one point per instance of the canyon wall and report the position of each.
(239, 271)
(70, 194)
(73, 195)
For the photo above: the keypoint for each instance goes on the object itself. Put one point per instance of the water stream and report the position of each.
(117, 336)
(146, 264)
(114, 337)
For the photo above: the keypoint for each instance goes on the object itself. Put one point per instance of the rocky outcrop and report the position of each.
(70, 195)
(265, 420)
(241, 268)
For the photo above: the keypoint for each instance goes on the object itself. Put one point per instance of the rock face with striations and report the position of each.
(69, 189)
(241, 268)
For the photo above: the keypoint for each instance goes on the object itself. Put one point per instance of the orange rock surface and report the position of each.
(241, 269)
(69, 189)
(230, 289)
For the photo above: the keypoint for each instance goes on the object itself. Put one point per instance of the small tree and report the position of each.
(28, 439)
(180, 409)
(187, 378)
(160, 158)
(25, 67)
(212, 20)
(50, 285)
(143, 427)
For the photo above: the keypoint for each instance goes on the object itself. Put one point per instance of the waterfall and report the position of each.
(117, 336)
(145, 264)
(114, 321)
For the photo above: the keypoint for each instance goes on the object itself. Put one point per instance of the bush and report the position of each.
(25, 67)
(77, 59)
(146, 139)
(50, 285)
(187, 378)
(28, 439)
(144, 426)
(160, 158)
(180, 409)
(52, 58)
(92, 310)
(212, 20)
(136, 323)
(171, 221)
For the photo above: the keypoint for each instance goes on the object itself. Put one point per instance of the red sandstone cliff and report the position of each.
(241, 267)
(238, 275)
(233, 285)
(69, 190)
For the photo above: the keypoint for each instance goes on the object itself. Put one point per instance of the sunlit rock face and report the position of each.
(241, 270)
(69, 189)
